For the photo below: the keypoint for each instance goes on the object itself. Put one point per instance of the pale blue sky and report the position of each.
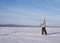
(29, 12)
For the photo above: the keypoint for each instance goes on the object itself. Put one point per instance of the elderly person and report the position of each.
(43, 25)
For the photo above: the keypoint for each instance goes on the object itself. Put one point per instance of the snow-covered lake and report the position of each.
(28, 35)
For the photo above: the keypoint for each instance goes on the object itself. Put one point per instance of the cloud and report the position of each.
(28, 16)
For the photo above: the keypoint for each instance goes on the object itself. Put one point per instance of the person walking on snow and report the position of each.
(43, 25)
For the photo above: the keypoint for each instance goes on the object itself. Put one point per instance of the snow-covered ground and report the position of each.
(28, 35)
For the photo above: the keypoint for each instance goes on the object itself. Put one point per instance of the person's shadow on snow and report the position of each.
(54, 33)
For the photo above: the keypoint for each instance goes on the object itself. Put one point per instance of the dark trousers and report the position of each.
(44, 31)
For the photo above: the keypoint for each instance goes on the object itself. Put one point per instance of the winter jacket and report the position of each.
(43, 22)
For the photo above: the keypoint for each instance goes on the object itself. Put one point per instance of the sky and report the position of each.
(30, 12)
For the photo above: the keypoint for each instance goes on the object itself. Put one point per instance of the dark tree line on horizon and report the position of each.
(15, 25)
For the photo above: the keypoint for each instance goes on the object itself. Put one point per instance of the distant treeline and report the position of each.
(14, 25)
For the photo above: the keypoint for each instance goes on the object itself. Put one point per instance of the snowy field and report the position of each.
(28, 35)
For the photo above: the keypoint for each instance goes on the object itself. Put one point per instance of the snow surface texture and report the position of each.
(28, 35)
